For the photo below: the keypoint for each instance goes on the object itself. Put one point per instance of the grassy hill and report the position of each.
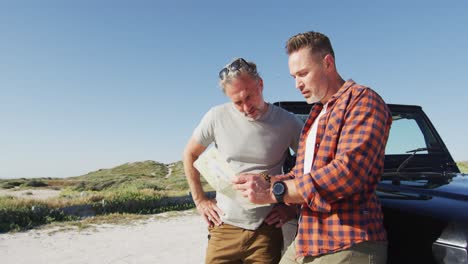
(167, 178)
(145, 187)
(463, 166)
(140, 175)
(144, 168)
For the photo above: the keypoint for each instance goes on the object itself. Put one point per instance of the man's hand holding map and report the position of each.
(218, 174)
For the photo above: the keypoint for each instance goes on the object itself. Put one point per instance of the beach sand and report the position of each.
(174, 237)
(164, 238)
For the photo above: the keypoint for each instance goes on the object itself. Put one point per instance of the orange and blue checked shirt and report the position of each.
(341, 207)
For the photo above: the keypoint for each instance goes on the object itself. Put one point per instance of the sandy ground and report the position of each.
(33, 193)
(174, 239)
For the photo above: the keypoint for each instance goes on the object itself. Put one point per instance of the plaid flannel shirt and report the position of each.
(341, 207)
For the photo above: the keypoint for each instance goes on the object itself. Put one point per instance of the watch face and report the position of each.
(278, 188)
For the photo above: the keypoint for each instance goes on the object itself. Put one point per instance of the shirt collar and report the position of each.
(340, 91)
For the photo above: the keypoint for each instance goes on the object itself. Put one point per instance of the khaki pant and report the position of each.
(230, 244)
(369, 252)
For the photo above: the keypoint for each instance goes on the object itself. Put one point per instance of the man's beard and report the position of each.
(314, 99)
(317, 98)
(259, 113)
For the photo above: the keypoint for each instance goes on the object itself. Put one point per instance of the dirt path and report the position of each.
(169, 172)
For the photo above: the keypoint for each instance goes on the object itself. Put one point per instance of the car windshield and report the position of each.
(410, 134)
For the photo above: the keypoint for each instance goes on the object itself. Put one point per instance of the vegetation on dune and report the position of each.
(138, 175)
(16, 183)
(143, 168)
(463, 166)
(39, 183)
(177, 168)
(146, 187)
(19, 213)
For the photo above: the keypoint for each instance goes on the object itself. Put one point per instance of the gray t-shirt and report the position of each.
(249, 146)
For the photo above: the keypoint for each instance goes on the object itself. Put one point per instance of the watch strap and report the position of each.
(279, 196)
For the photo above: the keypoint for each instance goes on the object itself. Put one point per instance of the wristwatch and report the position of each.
(279, 190)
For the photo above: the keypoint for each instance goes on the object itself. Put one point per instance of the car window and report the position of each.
(405, 135)
(409, 132)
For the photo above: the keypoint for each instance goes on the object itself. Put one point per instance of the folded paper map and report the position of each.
(218, 174)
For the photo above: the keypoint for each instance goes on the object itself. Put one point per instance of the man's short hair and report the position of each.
(318, 43)
(246, 68)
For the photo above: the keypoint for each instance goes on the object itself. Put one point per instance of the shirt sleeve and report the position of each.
(361, 142)
(204, 132)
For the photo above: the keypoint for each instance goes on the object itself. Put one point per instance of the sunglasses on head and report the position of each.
(235, 66)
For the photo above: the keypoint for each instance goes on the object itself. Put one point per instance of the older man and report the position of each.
(253, 136)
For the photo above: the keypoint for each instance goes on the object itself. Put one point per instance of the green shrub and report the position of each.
(17, 216)
(35, 183)
(141, 202)
(21, 214)
(128, 201)
(11, 184)
(141, 185)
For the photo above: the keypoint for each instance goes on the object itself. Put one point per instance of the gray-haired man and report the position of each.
(253, 136)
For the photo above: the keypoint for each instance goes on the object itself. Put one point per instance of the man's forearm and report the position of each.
(292, 196)
(193, 179)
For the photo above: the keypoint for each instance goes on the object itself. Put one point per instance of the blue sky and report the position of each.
(93, 84)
